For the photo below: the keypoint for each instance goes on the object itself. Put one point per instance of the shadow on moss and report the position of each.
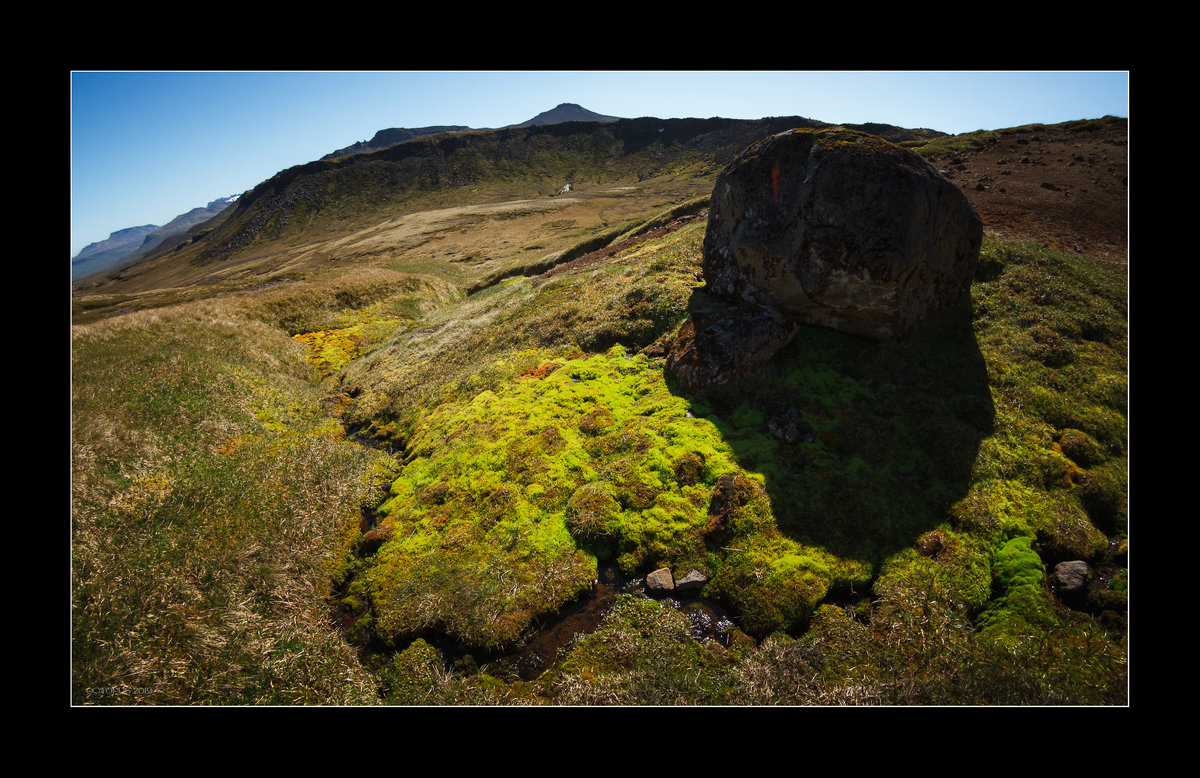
(863, 446)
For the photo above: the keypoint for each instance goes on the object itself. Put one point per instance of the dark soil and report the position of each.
(1065, 188)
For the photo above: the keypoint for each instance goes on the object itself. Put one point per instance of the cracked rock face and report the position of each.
(840, 229)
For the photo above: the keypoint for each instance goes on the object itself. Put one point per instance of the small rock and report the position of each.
(660, 580)
(692, 581)
(1071, 577)
(790, 428)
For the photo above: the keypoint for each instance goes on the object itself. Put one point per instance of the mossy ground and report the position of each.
(924, 485)
(509, 499)
(875, 516)
(333, 349)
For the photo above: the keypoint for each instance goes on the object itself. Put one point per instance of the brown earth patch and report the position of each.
(1066, 188)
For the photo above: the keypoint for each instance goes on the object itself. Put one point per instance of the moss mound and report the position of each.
(510, 499)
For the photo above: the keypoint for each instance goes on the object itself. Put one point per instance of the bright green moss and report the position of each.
(529, 476)
(533, 481)
(1017, 564)
(775, 583)
(1023, 607)
(945, 567)
(998, 508)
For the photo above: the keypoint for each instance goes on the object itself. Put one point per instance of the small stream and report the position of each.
(356, 435)
(546, 641)
(538, 653)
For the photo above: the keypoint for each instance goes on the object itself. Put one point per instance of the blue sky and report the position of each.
(148, 146)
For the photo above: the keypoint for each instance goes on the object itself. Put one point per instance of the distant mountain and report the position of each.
(567, 112)
(127, 244)
(564, 112)
(119, 244)
(390, 137)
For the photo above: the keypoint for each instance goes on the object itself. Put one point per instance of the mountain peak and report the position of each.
(123, 246)
(567, 112)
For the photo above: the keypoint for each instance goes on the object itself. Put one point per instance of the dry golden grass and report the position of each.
(213, 502)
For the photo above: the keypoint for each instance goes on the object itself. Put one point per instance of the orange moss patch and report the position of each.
(234, 445)
(543, 370)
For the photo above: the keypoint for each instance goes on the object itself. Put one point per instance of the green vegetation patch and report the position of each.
(643, 654)
(1052, 328)
(506, 490)
(511, 497)
(331, 350)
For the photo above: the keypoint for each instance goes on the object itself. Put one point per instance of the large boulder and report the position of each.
(840, 229)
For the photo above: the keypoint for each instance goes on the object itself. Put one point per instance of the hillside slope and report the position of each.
(390, 137)
(305, 206)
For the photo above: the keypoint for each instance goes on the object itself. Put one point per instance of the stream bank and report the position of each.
(546, 640)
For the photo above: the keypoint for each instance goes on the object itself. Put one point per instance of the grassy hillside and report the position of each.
(880, 522)
(302, 218)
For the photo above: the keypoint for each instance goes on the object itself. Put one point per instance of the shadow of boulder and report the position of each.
(862, 445)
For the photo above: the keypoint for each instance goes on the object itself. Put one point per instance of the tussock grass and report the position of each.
(214, 500)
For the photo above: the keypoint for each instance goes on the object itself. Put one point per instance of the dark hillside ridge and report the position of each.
(390, 137)
(564, 112)
(540, 158)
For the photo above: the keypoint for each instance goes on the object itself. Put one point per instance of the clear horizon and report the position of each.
(147, 146)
